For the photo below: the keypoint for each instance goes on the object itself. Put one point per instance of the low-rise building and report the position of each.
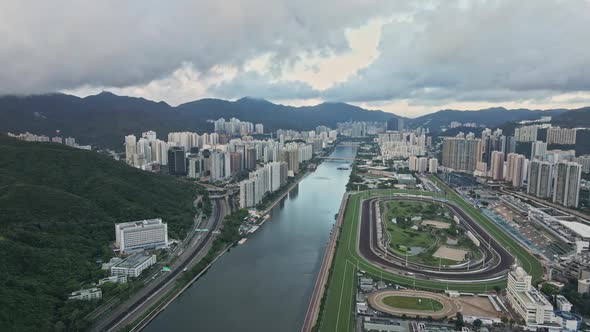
(113, 279)
(569, 322)
(133, 265)
(583, 286)
(562, 303)
(86, 294)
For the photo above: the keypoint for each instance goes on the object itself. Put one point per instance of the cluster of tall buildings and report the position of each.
(283, 163)
(236, 127)
(267, 179)
(557, 135)
(423, 164)
(402, 144)
(461, 153)
(360, 128)
(322, 134)
(216, 157)
(456, 124)
(69, 141)
(149, 152)
(559, 182)
(526, 133)
(549, 174)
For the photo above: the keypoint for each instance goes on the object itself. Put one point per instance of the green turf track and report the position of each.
(339, 306)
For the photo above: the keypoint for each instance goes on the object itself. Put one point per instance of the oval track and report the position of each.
(498, 259)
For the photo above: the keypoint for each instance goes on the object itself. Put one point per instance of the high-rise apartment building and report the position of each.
(130, 148)
(540, 180)
(497, 166)
(567, 184)
(177, 161)
(538, 150)
(515, 169)
(422, 165)
(461, 154)
(259, 128)
(526, 133)
(433, 165)
(557, 135)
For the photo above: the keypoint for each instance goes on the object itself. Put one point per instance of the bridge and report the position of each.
(338, 158)
(349, 143)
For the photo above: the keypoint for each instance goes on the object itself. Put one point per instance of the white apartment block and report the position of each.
(143, 234)
(557, 135)
(526, 133)
(433, 165)
(529, 303)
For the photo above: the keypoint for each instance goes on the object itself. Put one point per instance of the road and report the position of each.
(163, 282)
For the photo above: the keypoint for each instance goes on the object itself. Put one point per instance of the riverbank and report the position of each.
(318, 297)
(299, 177)
(170, 297)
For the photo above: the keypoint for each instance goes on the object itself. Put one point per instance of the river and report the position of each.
(266, 283)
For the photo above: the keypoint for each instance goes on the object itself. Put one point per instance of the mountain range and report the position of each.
(103, 120)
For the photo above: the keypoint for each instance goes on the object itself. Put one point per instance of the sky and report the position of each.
(405, 57)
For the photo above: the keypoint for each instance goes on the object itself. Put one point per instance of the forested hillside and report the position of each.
(58, 207)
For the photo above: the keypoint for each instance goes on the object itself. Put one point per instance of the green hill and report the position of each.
(58, 207)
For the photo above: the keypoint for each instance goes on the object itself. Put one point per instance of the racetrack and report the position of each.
(495, 265)
(449, 308)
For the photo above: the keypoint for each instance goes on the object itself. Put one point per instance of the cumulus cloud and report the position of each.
(479, 50)
(254, 84)
(56, 45)
(407, 54)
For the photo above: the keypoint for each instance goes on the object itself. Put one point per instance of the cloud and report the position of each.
(479, 50)
(57, 45)
(255, 85)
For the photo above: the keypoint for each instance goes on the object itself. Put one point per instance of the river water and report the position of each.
(266, 283)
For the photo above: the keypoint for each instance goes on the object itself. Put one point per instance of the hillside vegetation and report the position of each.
(58, 207)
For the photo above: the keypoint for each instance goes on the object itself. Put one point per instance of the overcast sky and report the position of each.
(405, 57)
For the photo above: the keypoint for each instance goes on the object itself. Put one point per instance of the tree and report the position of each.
(549, 290)
(477, 324)
(497, 289)
(459, 323)
(504, 320)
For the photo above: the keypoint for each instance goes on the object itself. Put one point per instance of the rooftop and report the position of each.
(140, 223)
(133, 260)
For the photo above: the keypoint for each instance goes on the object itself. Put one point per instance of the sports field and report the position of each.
(337, 310)
(412, 303)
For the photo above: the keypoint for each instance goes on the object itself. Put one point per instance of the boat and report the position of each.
(242, 240)
(253, 229)
(343, 168)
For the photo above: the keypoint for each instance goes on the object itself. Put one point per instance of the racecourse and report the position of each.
(337, 314)
(381, 301)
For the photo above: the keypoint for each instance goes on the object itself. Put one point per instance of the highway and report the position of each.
(368, 239)
(163, 282)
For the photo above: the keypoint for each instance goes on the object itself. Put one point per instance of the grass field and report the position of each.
(412, 303)
(337, 313)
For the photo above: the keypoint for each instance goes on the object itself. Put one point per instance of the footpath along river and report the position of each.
(266, 283)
